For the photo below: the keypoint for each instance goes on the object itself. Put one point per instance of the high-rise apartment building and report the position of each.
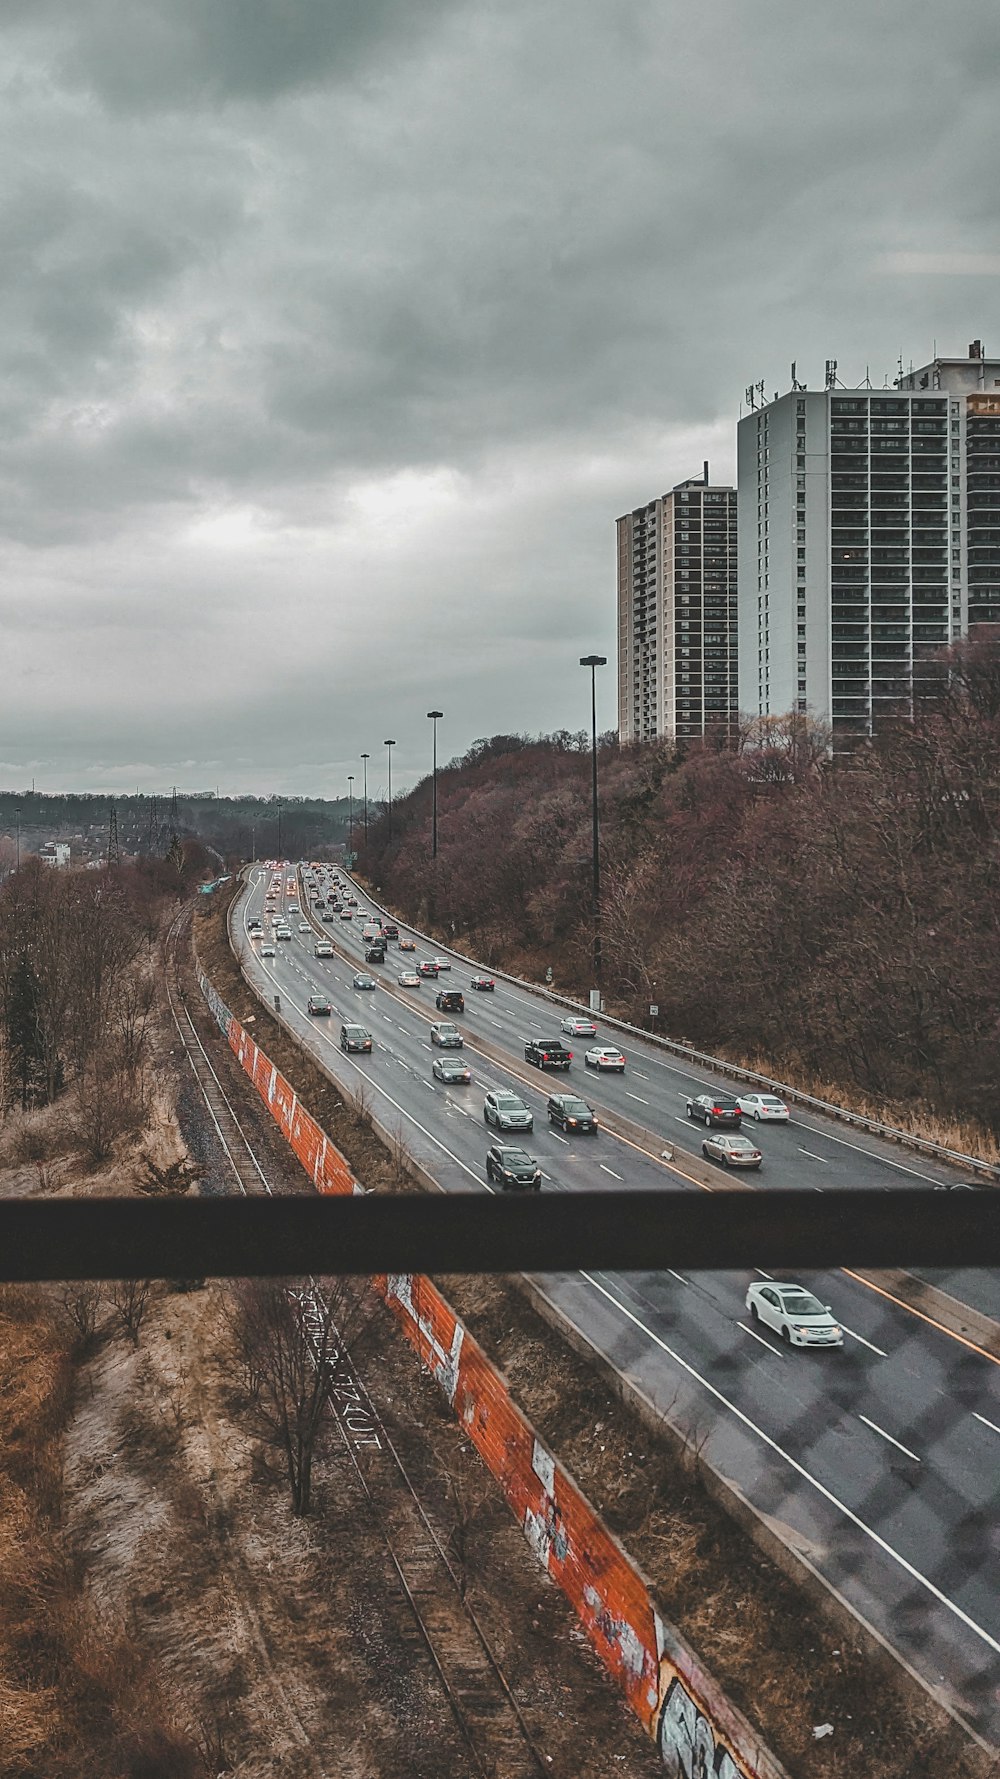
(677, 668)
(869, 537)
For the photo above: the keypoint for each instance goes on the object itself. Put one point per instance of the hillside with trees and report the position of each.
(836, 920)
(232, 828)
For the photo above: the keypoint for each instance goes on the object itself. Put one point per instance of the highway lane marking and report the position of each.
(859, 1149)
(611, 1171)
(813, 1482)
(526, 998)
(864, 1342)
(558, 1138)
(821, 1159)
(991, 1424)
(764, 1343)
(637, 1097)
(640, 1074)
(922, 1316)
(897, 1443)
(497, 1023)
(677, 1276)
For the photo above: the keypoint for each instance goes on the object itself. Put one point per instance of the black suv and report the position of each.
(514, 1170)
(450, 1000)
(375, 952)
(571, 1113)
(547, 1053)
(715, 1108)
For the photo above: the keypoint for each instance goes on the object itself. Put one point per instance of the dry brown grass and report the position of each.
(76, 1695)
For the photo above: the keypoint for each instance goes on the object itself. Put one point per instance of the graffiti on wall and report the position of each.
(699, 1734)
(687, 1742)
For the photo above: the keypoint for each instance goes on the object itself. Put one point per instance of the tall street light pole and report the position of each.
(593, 662)
(433, 715)
(350, 814)
(389, 745)
(366, 758)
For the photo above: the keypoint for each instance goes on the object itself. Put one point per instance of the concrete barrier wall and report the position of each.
(700, 1735)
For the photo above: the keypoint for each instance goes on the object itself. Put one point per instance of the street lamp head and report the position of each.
(388, 744)
(435, 713)
(593, 660)
(365, 756)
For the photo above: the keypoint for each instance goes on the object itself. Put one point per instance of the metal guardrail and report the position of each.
(735, 1071)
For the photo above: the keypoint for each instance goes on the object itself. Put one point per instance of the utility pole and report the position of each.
(350, 817)
(434, 715)
(593, 662)
(366, 758)
(389, 745)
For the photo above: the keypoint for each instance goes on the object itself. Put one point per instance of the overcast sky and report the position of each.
(337, 333)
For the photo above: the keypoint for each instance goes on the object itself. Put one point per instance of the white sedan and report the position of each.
(304, 927)
(794, 1313)
(605, 1056)
(578, 1028)
(763, 1106)
(267, 949)
(443, 963)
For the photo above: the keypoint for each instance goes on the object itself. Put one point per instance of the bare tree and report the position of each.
(288, 1338)
(81, 1302)
(130, 1298)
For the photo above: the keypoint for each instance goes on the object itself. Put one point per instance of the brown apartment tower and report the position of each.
(677, 653)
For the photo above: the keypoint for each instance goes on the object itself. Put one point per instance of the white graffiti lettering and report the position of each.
(687, 1742)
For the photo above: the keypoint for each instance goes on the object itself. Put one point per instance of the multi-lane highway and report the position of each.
(879, 1461)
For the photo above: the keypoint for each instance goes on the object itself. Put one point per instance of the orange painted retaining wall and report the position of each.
(699, 1733)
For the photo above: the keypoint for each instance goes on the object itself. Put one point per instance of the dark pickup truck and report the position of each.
(547, 1053)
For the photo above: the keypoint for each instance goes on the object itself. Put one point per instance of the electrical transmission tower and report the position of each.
(114, 856)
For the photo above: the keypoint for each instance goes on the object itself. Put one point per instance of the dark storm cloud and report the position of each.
(335, 337)
(187, 55)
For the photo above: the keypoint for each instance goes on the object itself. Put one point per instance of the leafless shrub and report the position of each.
(81, 1305)
(361, 1107)
(112, 1102)
(401, 1155)
(212, 1740)
(287, 1339)
(130, 1300)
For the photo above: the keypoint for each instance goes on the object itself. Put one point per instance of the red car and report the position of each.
(427, 967)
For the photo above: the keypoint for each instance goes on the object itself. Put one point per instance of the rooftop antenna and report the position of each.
(749, 394)
(706, 472)
(831, 373)
(795, 382)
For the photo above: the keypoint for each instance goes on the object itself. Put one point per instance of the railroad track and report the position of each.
(247, 1171)
(475, 1688)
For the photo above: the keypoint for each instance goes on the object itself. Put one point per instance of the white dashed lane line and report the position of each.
(637, 1097)
(755, 1336)
(865, 1343)
(813, 1157)
(884, 1435)
(611, 1171)
(991, 1424)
